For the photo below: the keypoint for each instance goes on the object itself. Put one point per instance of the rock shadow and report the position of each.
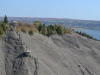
(22, 55)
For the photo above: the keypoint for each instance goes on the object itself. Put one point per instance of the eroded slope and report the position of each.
(15, 62)
(65, 55)
(56, 55)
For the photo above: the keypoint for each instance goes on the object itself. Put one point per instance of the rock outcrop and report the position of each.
(54, 55)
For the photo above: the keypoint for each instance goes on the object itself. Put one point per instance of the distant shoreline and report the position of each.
(78, 28)
(94, 33)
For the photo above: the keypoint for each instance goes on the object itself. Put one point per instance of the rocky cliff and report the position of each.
(54, 55)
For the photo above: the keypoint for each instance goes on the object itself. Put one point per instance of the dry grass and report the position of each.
(26, 28)
(69, 31)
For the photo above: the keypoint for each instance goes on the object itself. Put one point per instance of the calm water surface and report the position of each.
(95, 34)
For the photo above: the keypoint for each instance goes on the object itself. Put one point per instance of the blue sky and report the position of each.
(73, 9)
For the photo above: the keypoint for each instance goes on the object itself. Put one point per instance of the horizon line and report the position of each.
(51, 18)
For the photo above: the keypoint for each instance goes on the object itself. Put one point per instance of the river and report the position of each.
(95, 34)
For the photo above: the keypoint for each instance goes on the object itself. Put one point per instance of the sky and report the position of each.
(73, 9)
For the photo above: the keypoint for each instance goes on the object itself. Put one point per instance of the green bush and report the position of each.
(37, 23)
(3, 28)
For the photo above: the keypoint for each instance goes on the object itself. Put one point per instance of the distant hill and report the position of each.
(89, 24)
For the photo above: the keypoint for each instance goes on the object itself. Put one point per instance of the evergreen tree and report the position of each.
(5, 19)
(48, 31)
(44, 29)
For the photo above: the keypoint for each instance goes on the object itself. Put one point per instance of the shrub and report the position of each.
(37, 23)
(32, 31)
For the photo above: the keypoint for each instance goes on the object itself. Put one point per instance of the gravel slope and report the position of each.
(54, 55)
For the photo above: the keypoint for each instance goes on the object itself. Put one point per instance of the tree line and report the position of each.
(86, 35)
(51, 29)
(37, 26)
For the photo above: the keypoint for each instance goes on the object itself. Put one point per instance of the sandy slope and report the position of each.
(55, 55)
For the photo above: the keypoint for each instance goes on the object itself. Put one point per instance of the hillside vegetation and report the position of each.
(3, 26)
(86, 35)
(38, 27)
(26, 28)
(43, 29)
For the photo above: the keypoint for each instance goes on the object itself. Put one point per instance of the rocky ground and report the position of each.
(55, 55)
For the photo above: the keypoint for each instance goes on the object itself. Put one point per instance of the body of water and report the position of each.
(95, 34)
